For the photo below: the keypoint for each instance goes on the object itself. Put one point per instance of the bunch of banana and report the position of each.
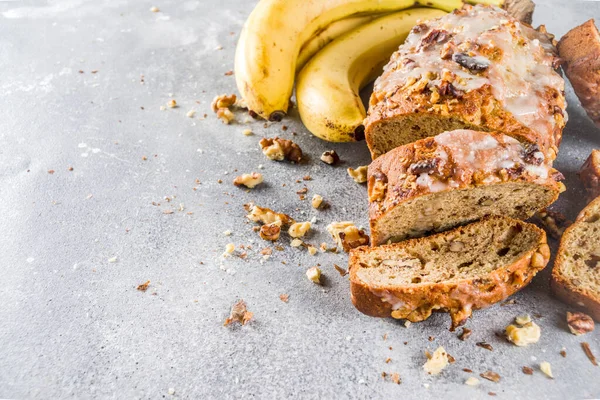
(327, 88)
(280, 36)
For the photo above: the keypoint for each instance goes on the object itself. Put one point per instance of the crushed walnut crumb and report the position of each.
(314, 274)
(154, 9)
(490, 376)
(249, 180)
(588, 352)
(284, 297)
(279, 149)
(316, 201)
(436, 362)
(341, 270)
(485, 345)
(299, 229)
(143, 287)
(546, 368)
(239, 313)
(527, 370)
(330, 157)
(359, 174)
(579, 323)
(172, 103)
(266, 215)
(347, 236)
(270, 232)
(464, 335)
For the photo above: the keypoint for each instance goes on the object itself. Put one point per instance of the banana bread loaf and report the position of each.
(455, 178)
(476, 68)
(580, 51)
(576, 272)
(464, 269)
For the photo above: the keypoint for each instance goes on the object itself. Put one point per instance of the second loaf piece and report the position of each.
(455, 178)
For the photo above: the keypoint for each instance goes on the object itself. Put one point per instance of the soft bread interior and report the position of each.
(581, 252)
(471, 251)
(441, 211)
(390, 133)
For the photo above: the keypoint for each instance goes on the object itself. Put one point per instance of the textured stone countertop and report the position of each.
(82, 83)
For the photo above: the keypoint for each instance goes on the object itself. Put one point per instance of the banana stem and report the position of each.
(446, 5)
(497, 3)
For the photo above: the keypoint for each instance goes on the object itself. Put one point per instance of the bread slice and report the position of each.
(589, 174)
(464, 269)
(455, 178)
(576, 272)
(477, 68)
(580, 51)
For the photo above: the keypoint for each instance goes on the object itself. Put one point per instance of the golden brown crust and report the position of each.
(418, 301)
(580, 51)
(589, 174)
(566, 290)
(393, 178)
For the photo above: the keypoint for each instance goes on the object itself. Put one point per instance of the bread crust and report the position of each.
(564, 289)
(398, 94)
(580, 51)
(416, 302)
(589, 174)
(393, 178)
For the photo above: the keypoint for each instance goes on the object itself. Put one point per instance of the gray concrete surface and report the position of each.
(73, 325)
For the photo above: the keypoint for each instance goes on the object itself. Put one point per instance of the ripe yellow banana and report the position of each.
(328, 34)
(327, 88)
(269, 44)
(446, 5)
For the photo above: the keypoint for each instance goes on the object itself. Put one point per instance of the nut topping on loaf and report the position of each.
(414, 188)
(476, 68)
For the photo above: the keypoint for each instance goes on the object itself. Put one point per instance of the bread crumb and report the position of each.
(171, 390)
(112, 260)
(407, 323)
(312, 250)
(296, 243)
(143, 287)
(314, 274)
(172, 103)
(472, 381)
(546, 369)
(247, 132)
(316, 201)
(437, 362)
(190, 114)
(227, 233)
(155, 9)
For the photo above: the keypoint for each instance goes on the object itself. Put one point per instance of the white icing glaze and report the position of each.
(482, 152)
(518, 80)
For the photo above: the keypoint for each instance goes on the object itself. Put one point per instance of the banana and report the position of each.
(328, 34)
(269, 44)
(446, 5)
(327, 88)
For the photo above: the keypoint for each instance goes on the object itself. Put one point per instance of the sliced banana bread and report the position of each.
(455, 178)
(476, 68)
(580, 51)
(464, 269)
(576, 272)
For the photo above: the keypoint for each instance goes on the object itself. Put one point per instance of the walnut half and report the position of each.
(579, 323)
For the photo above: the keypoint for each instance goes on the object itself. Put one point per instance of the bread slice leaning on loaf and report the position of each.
(576, 273)
(476, 68)
(455, 178)
(458, 271)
